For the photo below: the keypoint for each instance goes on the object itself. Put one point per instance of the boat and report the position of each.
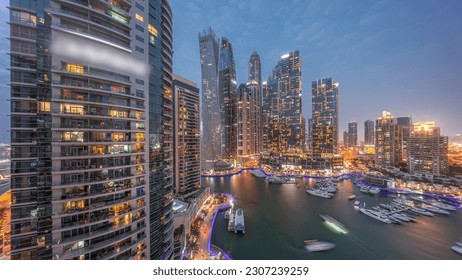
(338, 226)
(289, 180)
(386, 206)
(419, 198)
(364, 189)
(435, 209)
(319, 246)
(421, 211)
(457, 247)
(239, 221)
(351, 197)
(319, 193)
(374, 190)
(258, 173)
(329, 189)
(227, 214)
(400, 217)
(357, 203)
(376, 215)
(275, 179)
(444, 206)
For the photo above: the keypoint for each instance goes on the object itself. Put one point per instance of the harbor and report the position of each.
(284, 216)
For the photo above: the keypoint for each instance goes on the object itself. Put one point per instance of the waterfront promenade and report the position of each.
(206, 250)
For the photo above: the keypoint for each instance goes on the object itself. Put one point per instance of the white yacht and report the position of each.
(319, 246)
(419, 198)
(319, 193)
(289, 180)
(275, 179)
(376, 215)
(457, 247)
(364, 189)
(239, 221)
(444, 206)
(435, 209)
(401, 217)
(374, 190)
(258, 173)
(421, 211)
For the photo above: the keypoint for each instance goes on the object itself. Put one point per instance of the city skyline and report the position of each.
(360, 39)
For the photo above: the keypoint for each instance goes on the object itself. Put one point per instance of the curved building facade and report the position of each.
(81, 94)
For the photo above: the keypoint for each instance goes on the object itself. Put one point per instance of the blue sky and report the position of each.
(403, 56)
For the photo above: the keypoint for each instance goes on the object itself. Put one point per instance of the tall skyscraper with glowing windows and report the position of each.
(91, 97)
(428, 149)
(210, 119)
(284, 125)
(369, 132)
(324, 117)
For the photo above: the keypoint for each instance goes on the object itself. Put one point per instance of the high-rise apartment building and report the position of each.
(187, 137)
(160, 37)
(210, 107)
(346, 139)
(369, 132)
(428, 150)
(254, 85)
(244, 136)
(283, 123)
(227, 90)
(80, 93)
(405, 125)
(352, 134)
(388, 140)
(324, 118)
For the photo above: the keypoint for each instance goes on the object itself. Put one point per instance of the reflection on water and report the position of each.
(279, 218)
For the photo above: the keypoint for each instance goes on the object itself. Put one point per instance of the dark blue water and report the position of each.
(279, 218)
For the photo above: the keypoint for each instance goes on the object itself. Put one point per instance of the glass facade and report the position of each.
(210, 107)
(324, 117)
(352, 134)
(227, 88)
(369, 132)
(160, 130)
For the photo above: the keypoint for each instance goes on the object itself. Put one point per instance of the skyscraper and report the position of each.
(243, 121)
(227, 90)
(324, 117)
(160, 126)
(254, 84)
(282, 106)
(346, 139)
(352, 134)
(187, 137)
(211, 118)
(405, 125)
(428, 150)
(388, 140)
(369, 132)
(78, 118)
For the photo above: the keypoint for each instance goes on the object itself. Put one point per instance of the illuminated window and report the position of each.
(152, 30)
(139, 17)
(75, 68)
(139, 137)
(72, 109)
(44, 106)
(118, 137)
(74, 136)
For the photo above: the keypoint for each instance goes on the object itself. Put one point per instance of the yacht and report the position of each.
(374, 190)
(319, 193)
(239, 221)
(319, 246)
(386, 206)
(275, 179)
(444, 206)
(338, 226)
(329, 189)
(351, 197)
(289, 180)
(457, 247)
(364, 189)
(421, 211)
(419, 198)
(401, 217)
(227, 214)
(435, 209)
(376, 215)
(258, 173)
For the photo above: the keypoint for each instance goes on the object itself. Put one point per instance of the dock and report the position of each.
(236, 221)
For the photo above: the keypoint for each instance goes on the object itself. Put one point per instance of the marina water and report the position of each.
(279, 218)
